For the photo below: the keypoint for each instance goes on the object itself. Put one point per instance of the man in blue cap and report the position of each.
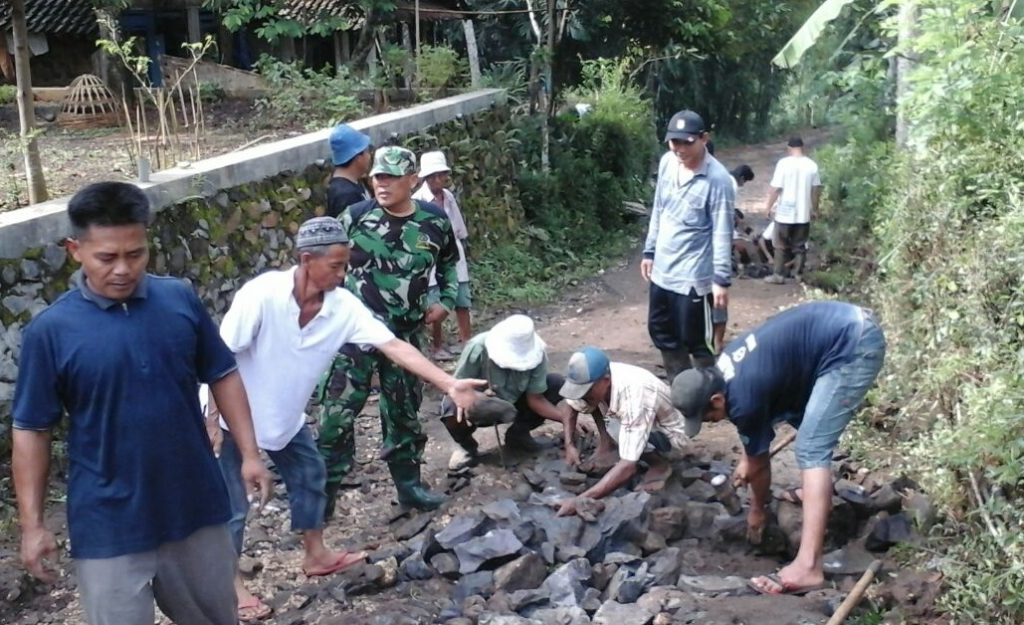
(350, 153)
(642, 405)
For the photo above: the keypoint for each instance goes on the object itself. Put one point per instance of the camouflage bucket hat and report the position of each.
(394, 161)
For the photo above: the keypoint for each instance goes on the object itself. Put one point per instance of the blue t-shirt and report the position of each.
(770, 371)
(142, 472)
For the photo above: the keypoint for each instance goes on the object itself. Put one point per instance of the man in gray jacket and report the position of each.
(687, 256)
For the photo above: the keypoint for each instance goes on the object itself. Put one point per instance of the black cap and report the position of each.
(795, 142)
(691, 391)
(685, 125)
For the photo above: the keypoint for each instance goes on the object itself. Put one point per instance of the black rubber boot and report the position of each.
(411, 490)
(517, 437)
(703, 362)
(461, 433)
(676, 361)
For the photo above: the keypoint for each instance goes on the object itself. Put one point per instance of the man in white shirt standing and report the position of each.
(285, 328)
(640, 402)
(435, 177)
(796, 190)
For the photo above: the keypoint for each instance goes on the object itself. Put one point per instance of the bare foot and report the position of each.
(790, 580)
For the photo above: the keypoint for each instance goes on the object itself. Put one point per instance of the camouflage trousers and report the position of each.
(342, 396)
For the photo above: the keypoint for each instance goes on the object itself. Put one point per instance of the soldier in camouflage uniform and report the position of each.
(396, 241)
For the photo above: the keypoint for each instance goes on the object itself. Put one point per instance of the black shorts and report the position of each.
(680, 322)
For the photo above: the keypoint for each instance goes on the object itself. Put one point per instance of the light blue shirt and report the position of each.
(690, 234)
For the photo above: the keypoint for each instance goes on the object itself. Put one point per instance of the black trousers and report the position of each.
(526, 419)
(681, 322)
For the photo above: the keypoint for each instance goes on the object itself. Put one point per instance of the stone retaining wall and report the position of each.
(217, 223)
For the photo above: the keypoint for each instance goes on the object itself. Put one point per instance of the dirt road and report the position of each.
(608, 311)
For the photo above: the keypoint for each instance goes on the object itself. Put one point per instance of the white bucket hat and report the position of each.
(432, 163)
(513, 344)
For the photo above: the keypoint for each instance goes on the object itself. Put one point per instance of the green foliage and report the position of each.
(271, 20)
(397, 62)
(510, 76)
(8, 93)
(944, 224)
(11, 149)
(440, 67)
(533, 233)
(839, 78)
(211, 92)
(317, 98)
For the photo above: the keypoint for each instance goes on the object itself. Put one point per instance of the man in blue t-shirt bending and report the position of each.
(122, 353)
(810, 366)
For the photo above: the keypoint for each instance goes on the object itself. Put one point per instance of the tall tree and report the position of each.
(26, 105)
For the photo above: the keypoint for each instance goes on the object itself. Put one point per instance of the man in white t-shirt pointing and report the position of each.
(285, 328)
(796, 189)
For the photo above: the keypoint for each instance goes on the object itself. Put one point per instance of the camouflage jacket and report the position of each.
(392, 257)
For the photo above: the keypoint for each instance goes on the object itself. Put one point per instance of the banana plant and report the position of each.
(808, 34)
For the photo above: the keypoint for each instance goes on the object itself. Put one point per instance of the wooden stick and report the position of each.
(782, 444)
(855, 595)
(501, 448)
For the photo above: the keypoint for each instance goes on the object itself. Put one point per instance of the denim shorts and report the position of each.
(305, 477)
(836, 396)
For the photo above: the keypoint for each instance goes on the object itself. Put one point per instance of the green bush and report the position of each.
(440, 67)
(944, 224)
(211, 93)
(532, 232)
(313, 99)
(8, 93)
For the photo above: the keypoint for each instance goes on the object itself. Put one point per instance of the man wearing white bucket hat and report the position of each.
(434, 174)
(512, 359)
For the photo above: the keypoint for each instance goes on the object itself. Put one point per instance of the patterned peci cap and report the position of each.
(321, 231)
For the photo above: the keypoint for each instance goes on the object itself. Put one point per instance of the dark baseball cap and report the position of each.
(691, 391)
(795, 142)
(685, 125)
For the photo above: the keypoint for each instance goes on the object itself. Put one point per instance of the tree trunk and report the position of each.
(904, 65)
(549, 109)
(472, 53)
(26, 105)
(366, 41)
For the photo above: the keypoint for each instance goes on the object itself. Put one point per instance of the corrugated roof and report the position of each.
(58, 17)
(309, 11)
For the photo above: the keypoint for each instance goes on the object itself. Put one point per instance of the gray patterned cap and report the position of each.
(321, 231)
(394, 161)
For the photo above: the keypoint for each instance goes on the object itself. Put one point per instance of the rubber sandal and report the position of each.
(797, 591)
(346, 561)
(791, 495)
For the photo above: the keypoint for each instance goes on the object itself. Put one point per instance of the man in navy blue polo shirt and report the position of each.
(122, 353)
(810, 366)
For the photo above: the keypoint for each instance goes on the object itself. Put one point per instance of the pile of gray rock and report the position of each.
(630, 559)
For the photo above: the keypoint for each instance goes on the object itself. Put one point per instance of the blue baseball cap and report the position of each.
(347, 143)
(586, 366)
